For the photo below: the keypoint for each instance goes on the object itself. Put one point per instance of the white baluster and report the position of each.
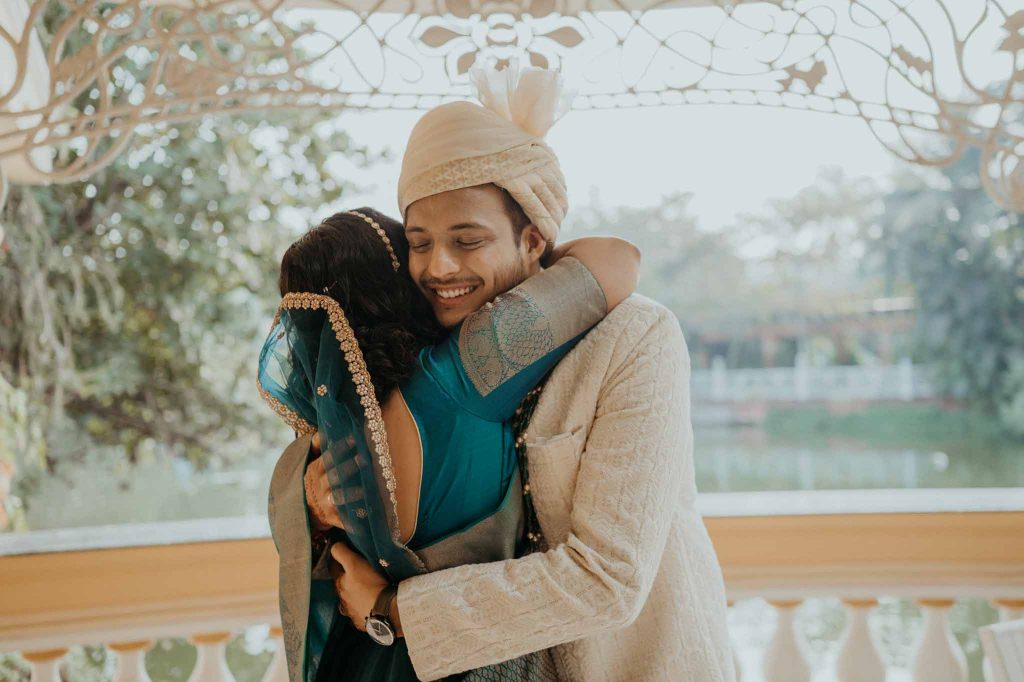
(1009, 609)
(45, 665)
(937, 656)
(211, 665)
(785, 659)
(131, 660)
(278, 670)
(859, 659)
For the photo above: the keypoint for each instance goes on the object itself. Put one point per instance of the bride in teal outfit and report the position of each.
(415, 423)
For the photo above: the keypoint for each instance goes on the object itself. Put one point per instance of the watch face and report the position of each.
(380, 631)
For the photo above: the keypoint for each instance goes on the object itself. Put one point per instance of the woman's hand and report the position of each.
(614, 263)
(358, 585)
(318, 494)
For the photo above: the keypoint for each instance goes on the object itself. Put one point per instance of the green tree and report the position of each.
(677, 255)
(810, 250)
(802, 254)
(965, 259)
(132, 300)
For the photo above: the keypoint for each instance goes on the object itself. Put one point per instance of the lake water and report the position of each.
(742, 459)
(101, 490)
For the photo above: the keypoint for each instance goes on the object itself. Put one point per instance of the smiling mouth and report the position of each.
(452, 295)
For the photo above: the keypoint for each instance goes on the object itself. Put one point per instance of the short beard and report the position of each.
(511, 276)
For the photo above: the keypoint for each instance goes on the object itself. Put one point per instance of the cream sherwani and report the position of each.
(631, 589)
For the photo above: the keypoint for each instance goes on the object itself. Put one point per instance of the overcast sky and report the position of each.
(731, 158)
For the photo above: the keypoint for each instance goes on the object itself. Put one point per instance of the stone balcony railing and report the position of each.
(127, 586)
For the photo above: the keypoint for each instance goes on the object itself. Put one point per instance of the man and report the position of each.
(629, 587)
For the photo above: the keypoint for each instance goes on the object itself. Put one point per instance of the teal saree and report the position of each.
(462, 396)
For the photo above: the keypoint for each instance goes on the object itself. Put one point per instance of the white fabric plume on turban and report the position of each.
(500, 141)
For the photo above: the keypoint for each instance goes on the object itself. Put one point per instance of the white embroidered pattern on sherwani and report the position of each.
(631, 589)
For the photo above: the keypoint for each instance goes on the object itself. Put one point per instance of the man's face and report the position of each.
(463, 250)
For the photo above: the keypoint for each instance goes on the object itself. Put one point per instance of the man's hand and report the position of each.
(358, 584)
(318, 494)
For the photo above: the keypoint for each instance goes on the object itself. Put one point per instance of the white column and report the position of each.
(802, 378)
(278, 669)
(131, 660)
(937, 655)
(906, 373)
(859, 659)
(210, 665)
(719, 379)
(33, 94)
(786, 660)
(45, 665)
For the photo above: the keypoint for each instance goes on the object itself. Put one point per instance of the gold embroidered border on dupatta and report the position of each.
(360, 376)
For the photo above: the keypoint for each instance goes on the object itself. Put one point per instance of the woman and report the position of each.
(420, 454)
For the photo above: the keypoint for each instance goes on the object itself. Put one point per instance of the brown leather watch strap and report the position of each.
(382, 607)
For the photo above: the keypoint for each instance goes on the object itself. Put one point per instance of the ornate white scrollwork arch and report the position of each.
(929, 77)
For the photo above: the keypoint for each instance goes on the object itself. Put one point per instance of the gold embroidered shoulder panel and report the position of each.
(528, 322)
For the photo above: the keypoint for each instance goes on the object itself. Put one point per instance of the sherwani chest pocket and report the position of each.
(553, 463)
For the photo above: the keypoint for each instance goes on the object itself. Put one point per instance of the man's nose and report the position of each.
(442, 264)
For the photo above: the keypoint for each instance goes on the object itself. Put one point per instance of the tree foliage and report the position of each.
(964, 257)
(933, 234)
(811, 249)
(133, 300)
(677, 254)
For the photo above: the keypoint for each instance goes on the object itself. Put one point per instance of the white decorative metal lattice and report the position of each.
(927, 76)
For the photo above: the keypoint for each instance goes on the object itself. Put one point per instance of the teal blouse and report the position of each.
(462, 395)
(468, 444)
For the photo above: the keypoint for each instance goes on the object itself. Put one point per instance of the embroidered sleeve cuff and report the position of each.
(528, 322)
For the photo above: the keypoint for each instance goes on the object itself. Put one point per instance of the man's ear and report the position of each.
(534, 242)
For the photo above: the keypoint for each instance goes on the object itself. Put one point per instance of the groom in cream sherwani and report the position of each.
(630, 588)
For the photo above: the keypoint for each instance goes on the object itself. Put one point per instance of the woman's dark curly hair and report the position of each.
(346, 259)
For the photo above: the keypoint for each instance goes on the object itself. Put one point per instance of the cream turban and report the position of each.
(461, 144)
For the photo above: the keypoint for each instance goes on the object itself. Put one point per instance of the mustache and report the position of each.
(430, 283)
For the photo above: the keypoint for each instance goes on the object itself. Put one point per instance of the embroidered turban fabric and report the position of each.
(500, 141)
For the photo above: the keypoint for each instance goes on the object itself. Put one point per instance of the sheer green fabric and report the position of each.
(322, 389)
(312, 373)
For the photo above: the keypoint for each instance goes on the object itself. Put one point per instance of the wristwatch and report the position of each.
(378, 623)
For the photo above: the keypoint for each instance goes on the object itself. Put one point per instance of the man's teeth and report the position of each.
(453, 293)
